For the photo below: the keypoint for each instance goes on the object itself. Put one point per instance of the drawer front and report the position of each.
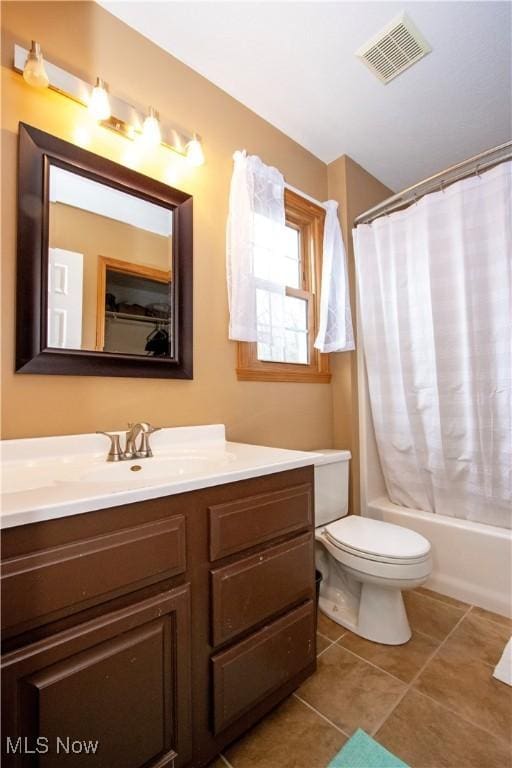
(240, 524)
(71, 575)
(245, 674)
(253, 589)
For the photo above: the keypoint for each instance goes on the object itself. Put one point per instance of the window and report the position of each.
(287, 328)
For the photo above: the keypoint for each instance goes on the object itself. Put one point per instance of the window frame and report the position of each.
(309, 219)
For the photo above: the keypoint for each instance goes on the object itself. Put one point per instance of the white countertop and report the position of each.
(51, 477)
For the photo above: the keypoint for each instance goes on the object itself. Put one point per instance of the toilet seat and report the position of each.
(396, 571)
(376, 540)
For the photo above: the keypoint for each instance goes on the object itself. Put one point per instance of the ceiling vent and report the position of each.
(394, 49)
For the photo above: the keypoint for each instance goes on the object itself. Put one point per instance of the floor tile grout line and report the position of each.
(415, 632)
(463, 717)
(325, 637)
(461, 604)
(371, 663)
(420, 672)
(430, 637)
(225, 761)
(317, 712)
(491, 621)
(325, 649)
(461, 607)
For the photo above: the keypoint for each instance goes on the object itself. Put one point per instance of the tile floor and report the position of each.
(433, 702)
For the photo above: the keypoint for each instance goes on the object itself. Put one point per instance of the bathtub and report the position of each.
(471, 562)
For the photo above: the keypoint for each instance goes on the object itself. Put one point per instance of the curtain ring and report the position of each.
(441, 184)
(477, 171)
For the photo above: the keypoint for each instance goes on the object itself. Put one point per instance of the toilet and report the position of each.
(365, 563)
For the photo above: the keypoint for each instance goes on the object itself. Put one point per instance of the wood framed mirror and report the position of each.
(104, 276)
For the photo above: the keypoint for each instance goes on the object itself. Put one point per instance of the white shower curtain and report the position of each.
(435, 285)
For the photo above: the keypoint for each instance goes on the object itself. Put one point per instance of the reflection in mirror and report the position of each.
(110, 269)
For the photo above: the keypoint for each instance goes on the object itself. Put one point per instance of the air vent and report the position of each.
(394, 49)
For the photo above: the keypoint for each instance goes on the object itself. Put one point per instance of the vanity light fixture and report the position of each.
(151, 132)
(99, 104)
(127, 119)
(34, 72)
(194, 150)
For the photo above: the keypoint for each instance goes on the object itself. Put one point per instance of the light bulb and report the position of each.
(151, 132)
(34, 72)
(99, 105)
(194, 152)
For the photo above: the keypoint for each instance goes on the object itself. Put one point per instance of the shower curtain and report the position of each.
(435, 288)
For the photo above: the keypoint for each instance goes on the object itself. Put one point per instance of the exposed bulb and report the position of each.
(34, 72)
(151, 132)
(99, 104)
(194, 151)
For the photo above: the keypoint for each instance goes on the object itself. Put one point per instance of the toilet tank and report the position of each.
(331, 485)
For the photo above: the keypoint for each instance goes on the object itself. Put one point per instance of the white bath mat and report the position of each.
(503, 669)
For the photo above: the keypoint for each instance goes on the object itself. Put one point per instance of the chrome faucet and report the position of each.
(132, 450)
(144, 451)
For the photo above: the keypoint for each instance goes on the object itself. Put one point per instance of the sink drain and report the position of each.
(135, 468)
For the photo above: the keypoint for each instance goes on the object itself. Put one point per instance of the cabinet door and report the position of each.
(114, 691)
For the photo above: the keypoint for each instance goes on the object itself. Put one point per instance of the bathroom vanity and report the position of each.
(162, 618)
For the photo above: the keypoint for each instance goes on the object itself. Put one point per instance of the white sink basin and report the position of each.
(163, 469)
(26, 476)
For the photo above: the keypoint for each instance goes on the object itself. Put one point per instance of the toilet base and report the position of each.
(379, 614)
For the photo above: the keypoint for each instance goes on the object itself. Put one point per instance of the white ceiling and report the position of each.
(293, 63)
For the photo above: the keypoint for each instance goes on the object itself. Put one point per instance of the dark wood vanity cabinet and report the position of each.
(161, 630)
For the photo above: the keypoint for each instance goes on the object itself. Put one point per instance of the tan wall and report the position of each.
(76, 230)
(356, 191)
(85, 39)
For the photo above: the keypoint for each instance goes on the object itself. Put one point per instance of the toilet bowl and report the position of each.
(365, 563)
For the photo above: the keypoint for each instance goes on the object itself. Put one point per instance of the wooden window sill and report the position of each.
(300, 377)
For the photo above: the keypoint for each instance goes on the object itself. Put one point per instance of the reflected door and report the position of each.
(65, 293)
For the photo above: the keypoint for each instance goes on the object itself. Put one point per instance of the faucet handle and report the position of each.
(145, 451)
(115, 453)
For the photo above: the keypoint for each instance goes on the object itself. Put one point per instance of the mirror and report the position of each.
(104, 266)
(109, 269)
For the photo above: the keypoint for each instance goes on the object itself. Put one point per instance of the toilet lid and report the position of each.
(375, 537)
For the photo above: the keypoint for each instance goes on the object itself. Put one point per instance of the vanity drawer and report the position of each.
(256, 587)
(70, 576)
(251, 670)
(240, 524)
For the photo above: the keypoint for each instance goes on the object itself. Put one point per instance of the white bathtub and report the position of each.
(471, 562)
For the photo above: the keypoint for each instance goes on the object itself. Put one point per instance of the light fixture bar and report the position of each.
(127, 119)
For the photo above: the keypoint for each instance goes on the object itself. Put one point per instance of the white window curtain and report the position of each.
(255, 250)
(435, 284)
(256, 264)
(335, 333)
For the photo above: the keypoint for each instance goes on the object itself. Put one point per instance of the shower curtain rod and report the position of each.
(439, 180)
